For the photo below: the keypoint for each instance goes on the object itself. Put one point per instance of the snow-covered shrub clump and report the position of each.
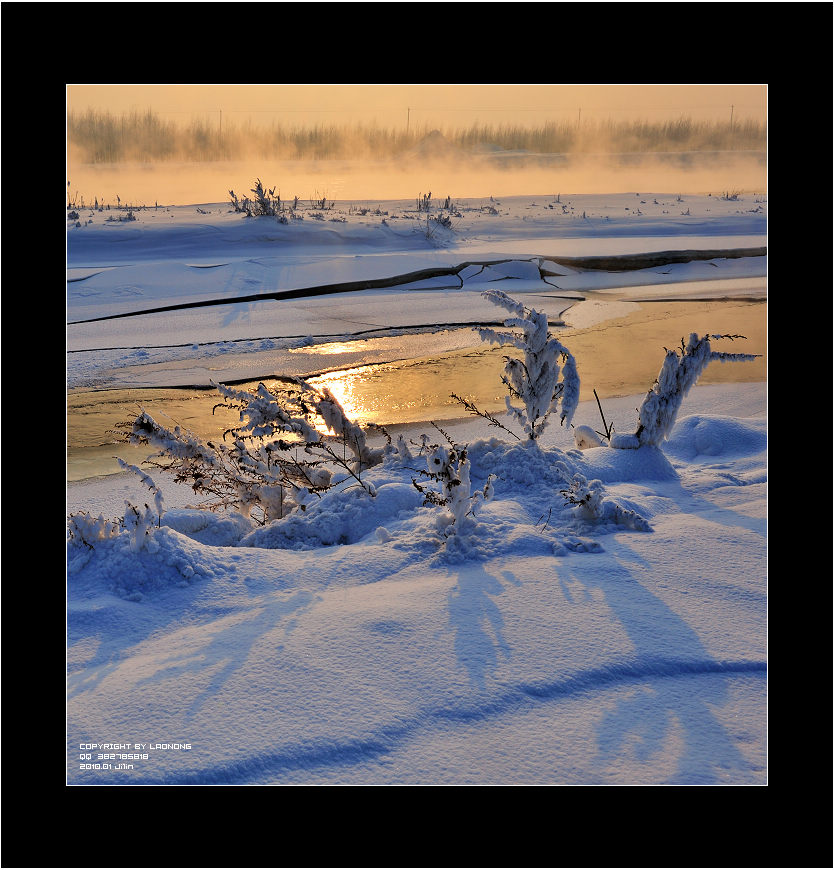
(86, 530)
(294, 443)
(140, 521)
(587, 496)
(586, 438)
(535, 479)
(170, 560)
(138, 532)
(340, 517)
(678, 374)
(449, 465)
(297, 473)
(212, 529)
(538, 380)
(266, 202)
(137, 523)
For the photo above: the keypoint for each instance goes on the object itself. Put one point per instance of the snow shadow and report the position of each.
(723, 516)
(477, 624)
(228, 646)
(90, 677)
(674, 684)
(85, 623)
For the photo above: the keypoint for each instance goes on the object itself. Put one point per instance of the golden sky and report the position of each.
(448, 105)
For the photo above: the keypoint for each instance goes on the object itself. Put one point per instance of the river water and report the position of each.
(620, 356)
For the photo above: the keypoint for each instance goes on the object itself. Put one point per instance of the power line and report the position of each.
(618, 108)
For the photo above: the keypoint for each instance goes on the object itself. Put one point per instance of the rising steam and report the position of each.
(144, 159)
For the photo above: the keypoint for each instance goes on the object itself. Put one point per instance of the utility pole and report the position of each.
(407, 120)
(579, 119)
(221, 125)
(731, 118)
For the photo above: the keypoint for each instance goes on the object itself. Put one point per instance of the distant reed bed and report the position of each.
(103, 137)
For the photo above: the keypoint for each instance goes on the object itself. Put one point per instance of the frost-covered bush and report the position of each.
(265, 202)
(85, 529)
(591, 506)
(448, 465)
(679, 373)
(538, 380)
(295, 456)
(403, 450)
(138, 522)
(293, 443)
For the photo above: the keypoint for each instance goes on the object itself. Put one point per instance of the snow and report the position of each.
(600, 619)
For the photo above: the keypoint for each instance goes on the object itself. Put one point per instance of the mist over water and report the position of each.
(146, 158)
(190, 183)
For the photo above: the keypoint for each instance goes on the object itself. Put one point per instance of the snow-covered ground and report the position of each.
(360, 641)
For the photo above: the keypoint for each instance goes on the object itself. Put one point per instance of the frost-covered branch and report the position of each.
(498, 297)
(291, 444)
(473, 409)
(344, 429)
(159, 502)
(264, 412)
(678, 374)
(546, 379)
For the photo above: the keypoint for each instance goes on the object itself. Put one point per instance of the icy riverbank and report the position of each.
(364, 640)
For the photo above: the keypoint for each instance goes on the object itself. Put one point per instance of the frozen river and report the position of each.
(162, 306)
(409, 378)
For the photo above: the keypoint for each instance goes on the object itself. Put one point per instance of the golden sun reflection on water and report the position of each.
(415, 390)
(342, 389)
(617, 358)
(620, 357)
(332, 348)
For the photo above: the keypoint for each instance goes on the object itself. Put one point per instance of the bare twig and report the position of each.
(546, 521)
(608, 429)
(470, 406)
